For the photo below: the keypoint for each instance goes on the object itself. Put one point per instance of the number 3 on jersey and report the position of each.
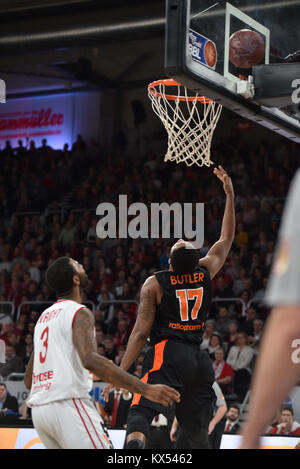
(44, 339)
(184, 296)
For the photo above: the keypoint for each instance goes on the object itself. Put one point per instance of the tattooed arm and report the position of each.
(86, 346)
(143, 324)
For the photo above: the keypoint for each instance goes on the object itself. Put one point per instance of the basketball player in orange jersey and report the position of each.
(174, 306)
(60, 369)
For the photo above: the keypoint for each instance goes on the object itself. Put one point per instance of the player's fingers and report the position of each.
(218, 174)
(222, 169)
(170, 400)
(166, 400)
(173, 394)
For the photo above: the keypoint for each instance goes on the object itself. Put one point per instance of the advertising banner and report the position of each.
(57, 118)
(27, 438)
(267, 442)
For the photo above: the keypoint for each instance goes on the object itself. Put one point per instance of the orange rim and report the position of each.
(171, 97)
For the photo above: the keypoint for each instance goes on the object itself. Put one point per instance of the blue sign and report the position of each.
(202, 50)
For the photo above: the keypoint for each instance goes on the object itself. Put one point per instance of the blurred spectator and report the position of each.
(230, 338)
(246, 323)
(113, 324)
(13, 363)
(79, 145)
(223, 371)
(214, 344)
(8, 331)
(21, 324)
(14, 292)
(138, 372)
(275, 421)
(5, 264)
(232, 417)
(140, 358)
(270, 254)
(27, 349)
(240, 358)
(5, 322)
(257, 280)
(241, 238)
(15, 341)
(101, 350)
(208, 332)
(288, 425)
(20, 150)
(99, 334)
(223, 321)
(117, 407)
(258, 326)
(222, 290)
(121, 352)
(67, 234)
(122, 335)
(111, 350)
(8, 404)
(30, 327)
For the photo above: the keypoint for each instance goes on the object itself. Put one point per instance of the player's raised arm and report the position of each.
(85, 344)
(216, 256)
(143, 324)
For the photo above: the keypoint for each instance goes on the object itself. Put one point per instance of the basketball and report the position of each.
(210, 54)
(246, 48)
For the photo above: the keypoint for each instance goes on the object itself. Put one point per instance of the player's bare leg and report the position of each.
(136, 440)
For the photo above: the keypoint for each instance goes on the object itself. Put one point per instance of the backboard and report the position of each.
(197, 55)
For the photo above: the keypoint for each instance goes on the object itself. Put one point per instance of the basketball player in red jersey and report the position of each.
(174, 306)
(60, 370)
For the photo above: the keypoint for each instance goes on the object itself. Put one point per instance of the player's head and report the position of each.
(64, 275)
(184, 257)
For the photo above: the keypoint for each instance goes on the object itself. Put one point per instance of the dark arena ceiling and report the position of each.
(106, 45)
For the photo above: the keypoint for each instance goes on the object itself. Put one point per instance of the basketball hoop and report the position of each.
(190, 122)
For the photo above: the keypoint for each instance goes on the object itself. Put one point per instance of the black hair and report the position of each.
(59, 276)
(184, 260)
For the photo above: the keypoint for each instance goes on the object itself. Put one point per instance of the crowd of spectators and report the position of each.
(73, 181)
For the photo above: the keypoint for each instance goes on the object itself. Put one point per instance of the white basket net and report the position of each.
(190, 122)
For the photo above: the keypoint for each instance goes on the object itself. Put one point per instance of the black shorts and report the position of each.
(189, 370)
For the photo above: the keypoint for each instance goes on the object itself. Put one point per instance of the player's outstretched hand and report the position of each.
(162, 394)
(223, 176)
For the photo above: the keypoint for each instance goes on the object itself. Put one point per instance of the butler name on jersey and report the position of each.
(184, 306)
